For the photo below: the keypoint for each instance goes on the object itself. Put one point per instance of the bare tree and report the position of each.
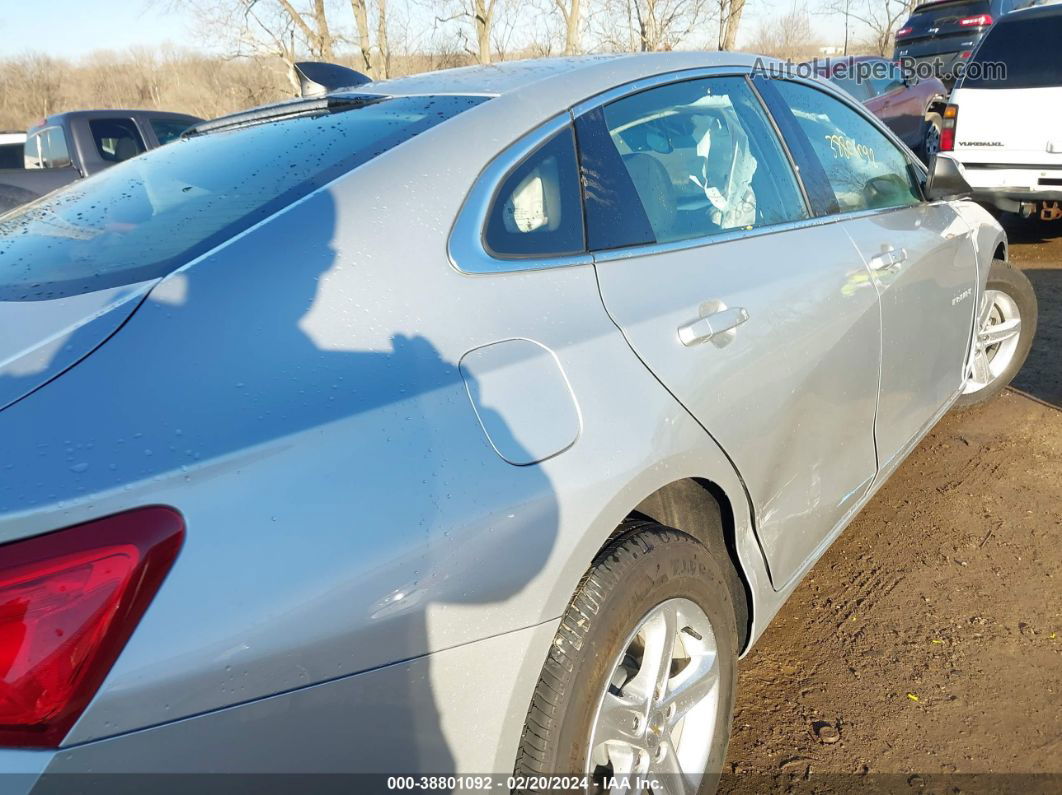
(729, 20)
(649, 25)
(383, 42)
(789, 37)
(479, 16)
(570, 13)
(878, 18)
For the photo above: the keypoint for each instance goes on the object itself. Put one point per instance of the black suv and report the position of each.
(947, 32)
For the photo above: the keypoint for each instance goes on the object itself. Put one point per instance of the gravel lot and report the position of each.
(926, 646)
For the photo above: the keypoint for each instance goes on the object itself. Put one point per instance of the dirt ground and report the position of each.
(926, 646)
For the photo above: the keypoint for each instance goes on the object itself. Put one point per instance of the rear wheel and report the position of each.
(640, 678)
(1004, 332)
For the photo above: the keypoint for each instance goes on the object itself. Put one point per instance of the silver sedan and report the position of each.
(473, 422)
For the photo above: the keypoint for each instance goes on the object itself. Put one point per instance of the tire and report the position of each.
(1009, 294)
(644, 571)
(930, 145)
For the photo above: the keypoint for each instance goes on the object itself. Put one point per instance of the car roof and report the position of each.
(512, 76)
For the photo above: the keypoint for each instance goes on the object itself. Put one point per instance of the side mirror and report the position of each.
(946, 179)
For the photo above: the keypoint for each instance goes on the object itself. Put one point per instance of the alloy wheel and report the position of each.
(932, 142)
(657, 715)
(996, 340)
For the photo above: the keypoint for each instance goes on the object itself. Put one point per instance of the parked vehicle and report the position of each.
(11, 148)
(1007, 130)
(475, 421)
(912, 108)
(945, 33)
(69, 146)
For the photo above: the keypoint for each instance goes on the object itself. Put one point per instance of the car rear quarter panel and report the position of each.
(296, 396)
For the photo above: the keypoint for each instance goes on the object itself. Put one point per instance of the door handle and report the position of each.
(704, 328)
(888, 260)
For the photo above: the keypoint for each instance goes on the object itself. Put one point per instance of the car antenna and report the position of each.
(317, 78)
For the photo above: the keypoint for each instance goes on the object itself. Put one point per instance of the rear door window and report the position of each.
(1016, 53)
(865, 170)
(116, 139)
(143, 218)
(701, 158)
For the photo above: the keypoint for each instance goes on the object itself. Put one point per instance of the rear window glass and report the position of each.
(141, 219)
(116, 139)
(1022, 45)
(857, 88)
(167, 130)
(938, 15)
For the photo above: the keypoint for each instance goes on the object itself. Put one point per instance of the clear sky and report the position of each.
(71, 28)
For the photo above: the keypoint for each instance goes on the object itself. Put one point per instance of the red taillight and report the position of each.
(904, 32)
(979, 20)
(68, 602)
(965, 54)
(947, 129)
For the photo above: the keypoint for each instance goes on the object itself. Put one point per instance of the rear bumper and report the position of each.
(459, 711)
(1006, 186)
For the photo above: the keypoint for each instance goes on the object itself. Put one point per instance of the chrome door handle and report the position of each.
(888, 260)
(704, 328)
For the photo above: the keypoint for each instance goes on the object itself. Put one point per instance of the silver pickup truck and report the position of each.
(69, 146)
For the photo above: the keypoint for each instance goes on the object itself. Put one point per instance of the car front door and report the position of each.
(763, 321)
(920, 255)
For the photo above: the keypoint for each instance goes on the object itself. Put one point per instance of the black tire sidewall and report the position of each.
(669, 565)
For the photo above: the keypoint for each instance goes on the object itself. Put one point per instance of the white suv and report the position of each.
(1004, 121)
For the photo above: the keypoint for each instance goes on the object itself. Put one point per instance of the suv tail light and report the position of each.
(947, 128)
(904, 32)
(69, 601)
(980, 20)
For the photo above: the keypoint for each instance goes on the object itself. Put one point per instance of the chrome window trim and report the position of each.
(465, 247)
(655, 81)
(649, 249)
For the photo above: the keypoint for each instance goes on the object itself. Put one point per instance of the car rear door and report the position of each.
(762, 320)
(920, 255)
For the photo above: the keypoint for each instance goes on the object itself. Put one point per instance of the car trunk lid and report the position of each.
(41, 337)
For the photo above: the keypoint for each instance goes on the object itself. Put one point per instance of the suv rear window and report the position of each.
(939, 15)
(1023, 45)
(143, 218)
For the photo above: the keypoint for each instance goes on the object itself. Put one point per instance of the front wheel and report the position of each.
(1003, 335)
(639, 681)
(931, 128)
